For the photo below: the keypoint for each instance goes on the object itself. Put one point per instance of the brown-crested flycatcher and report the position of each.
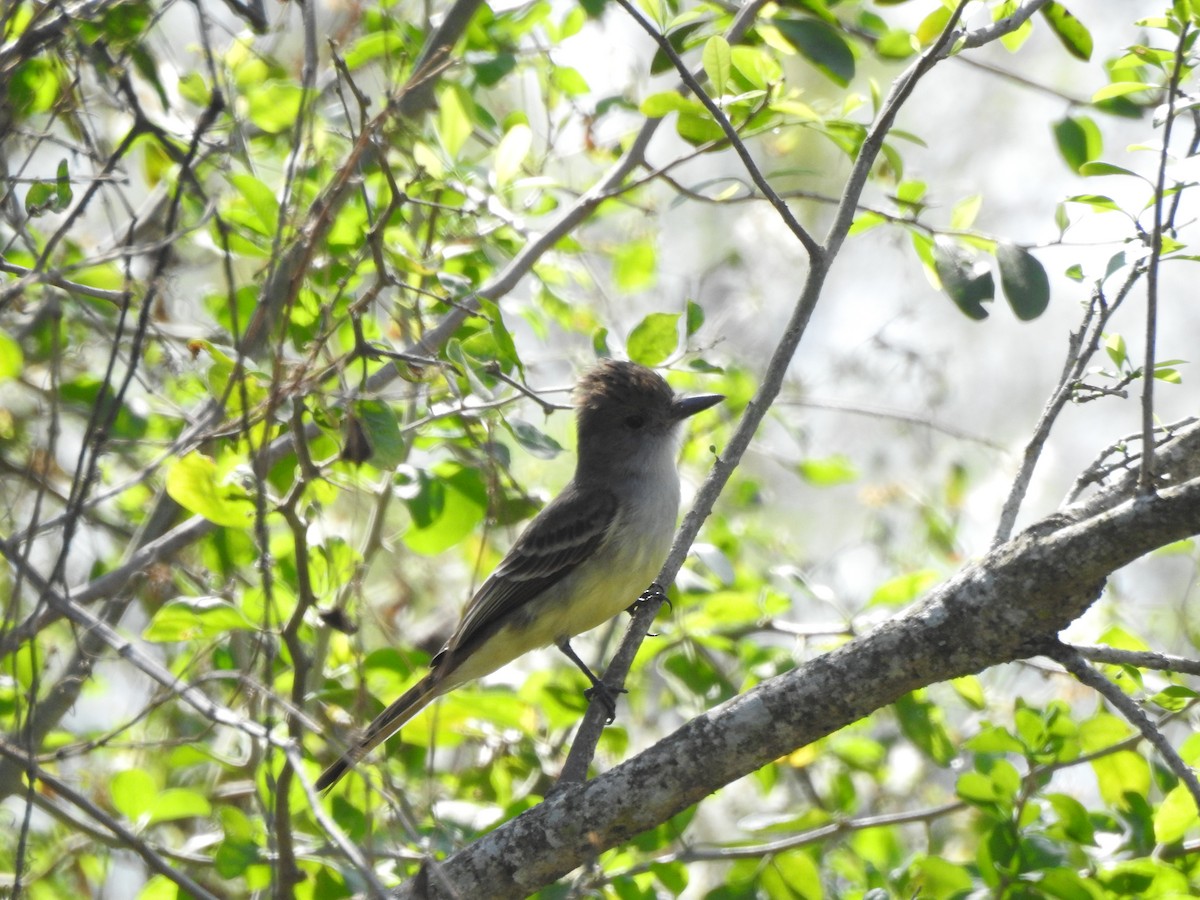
(583, 558)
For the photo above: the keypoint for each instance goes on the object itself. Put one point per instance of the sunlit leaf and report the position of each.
(274, 105)
(1069, 30)
(829, 471)
(654, 339)
(717, 63)
(511, 152)
(12, 360)
(635, 266)
(195, 484)
(195, 618)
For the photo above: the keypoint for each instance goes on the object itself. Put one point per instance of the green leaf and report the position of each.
(511, 152)
(569, 81)
(653, 339)
(695, 318)
(173, 804)
(822, 45)
(195, 618)
(1175, 815)
(504, 348)
(1023, 280)
(1074, 822)
(1120, 775)
(533, 439)
(897, 43)
(62, 187)
(965, 211)
(698, 128)
(132, 792)
(1120, 89)
(12, 359)
(239, 850)
(195, 484)
(274, 105)
(1079, 140)
(1069, 30)
(34, 85)
(717, 63)
(448, 506)
(635, 266)
(260, 199)
(757, 67)
(827, 472)
(381, 428)
(969, 688)
(932, 26)
(372, 46)
(658, 105)
(903, 589)
(793, 875)
(677, 37)
(1103, 168)
(923, 723)
(1098, 202)
(967, 283)
(1114, 346)
(454, 122)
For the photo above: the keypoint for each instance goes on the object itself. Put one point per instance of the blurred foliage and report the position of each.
(222, 265)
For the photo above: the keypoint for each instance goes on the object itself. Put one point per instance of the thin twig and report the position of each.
(1146, 475)
(1074, 662)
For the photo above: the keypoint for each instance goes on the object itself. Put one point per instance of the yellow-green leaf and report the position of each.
(654, 338)
(511, 152)
(194, 483)
(717, 63)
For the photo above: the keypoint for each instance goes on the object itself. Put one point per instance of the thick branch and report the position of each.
(1000, 609)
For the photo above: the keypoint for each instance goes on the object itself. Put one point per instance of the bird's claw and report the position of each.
(607, 696)
(654, 592)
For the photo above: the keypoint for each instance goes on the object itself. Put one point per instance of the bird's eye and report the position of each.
(635, 421)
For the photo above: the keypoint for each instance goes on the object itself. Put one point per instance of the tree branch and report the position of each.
(999, 609)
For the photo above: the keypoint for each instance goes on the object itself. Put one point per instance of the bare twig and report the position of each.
(1146, 482)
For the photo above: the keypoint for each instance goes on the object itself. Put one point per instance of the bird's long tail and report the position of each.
(385, 725)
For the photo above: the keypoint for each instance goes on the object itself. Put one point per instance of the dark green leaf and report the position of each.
(381, 429)
(923, 723)
(967, 283)
(1078, 140)
(600, 343)
(695, 318)
(822, 45)
(490, 71)
(677, 39)
(62, 186)
(533, 439)
(1023, 280)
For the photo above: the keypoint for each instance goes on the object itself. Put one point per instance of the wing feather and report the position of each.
(562, 536)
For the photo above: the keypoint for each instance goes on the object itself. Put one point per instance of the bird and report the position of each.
(582, 559)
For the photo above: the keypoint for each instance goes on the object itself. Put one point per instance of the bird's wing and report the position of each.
(562, 536)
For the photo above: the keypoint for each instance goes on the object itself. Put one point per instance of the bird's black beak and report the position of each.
(683, 407)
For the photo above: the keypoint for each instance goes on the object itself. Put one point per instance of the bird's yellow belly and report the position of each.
(583, 600)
